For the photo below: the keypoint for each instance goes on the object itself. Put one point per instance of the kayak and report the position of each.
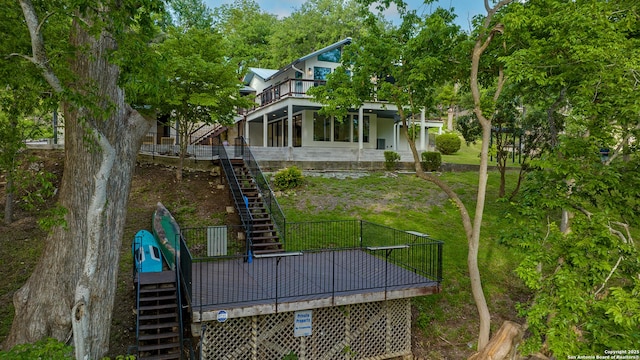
(146, 252)
(166, 232)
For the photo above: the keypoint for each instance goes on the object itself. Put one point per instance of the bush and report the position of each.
(44, 349)
(448, 143)
(288, 178)
(431, 160)
(391, 159)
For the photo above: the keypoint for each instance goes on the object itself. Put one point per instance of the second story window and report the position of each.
(331, 56)
(320, 73)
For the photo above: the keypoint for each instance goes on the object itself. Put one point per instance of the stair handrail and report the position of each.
(236, 193)
(268, 196)
(214, 128)
(136, 275)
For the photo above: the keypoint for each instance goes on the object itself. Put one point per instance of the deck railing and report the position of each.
(359, 245)
(268, 198)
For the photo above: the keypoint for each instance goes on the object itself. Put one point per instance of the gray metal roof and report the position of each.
(264, 74)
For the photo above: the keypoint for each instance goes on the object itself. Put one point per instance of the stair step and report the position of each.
(267, 251)
(263, 237)
(262, 245)
(158, 307)
(171, 288)
(157, 298)
(160, 336)
(262, 231)
(161, 325)
(158, 316)
(162, 357)
(152, 347)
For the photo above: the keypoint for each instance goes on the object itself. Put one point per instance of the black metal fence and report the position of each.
(322, 260)
(169, 147)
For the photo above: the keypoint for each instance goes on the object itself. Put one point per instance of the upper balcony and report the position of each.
(285, 89)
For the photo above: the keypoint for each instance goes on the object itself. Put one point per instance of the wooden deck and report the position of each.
(290, 283)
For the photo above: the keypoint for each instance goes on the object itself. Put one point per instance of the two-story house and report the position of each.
(285, 117)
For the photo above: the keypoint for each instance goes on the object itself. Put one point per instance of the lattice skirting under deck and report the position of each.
(372, 331)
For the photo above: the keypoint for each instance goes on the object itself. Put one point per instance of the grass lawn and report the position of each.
(408, 203)
(470, 154)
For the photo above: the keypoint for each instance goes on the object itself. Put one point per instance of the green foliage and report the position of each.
(49, 349)
(312, 26)
(391, 159)
(289, 178)
(36, 187)
(290, 356)
(585, 279)
(431, 160)
(448, 143)
(53, 217)
(470, 128)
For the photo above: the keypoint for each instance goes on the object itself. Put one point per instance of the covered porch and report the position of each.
(290, 119)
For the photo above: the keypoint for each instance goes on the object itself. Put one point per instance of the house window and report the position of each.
(365, 130)
(331, 56)
(321, 127)
(341, 130)
(320, 73)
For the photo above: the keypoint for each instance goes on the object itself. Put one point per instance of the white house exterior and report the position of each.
(286, 117)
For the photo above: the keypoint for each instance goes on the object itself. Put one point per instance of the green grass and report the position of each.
(470, 155)
(409, 203)
(466, 155)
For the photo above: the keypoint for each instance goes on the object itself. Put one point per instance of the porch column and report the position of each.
(290, 125)
(246, 130)
(265, 129)
(395, 137)
(360, 128)
(422, 130)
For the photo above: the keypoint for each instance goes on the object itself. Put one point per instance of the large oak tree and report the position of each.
(71, 291)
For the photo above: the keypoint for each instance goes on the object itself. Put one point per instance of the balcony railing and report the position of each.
(288, 88)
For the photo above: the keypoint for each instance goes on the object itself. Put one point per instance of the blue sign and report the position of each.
(222, 316)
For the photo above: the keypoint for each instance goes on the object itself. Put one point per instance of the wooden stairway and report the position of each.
(158, 326)
(264, 234)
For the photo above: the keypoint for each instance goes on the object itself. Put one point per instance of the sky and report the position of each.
(465, 9)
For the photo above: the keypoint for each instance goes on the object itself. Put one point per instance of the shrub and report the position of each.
(448, 143)
(391, 159)
(288, 178)
(44, 349)
(431, 160)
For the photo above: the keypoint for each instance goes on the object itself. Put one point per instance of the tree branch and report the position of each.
(608, 276)
(39, 57)
(620, 146)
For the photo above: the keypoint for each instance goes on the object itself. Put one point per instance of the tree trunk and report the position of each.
(8, 199)
(72, 289)
(503, 345)
(474, 242)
